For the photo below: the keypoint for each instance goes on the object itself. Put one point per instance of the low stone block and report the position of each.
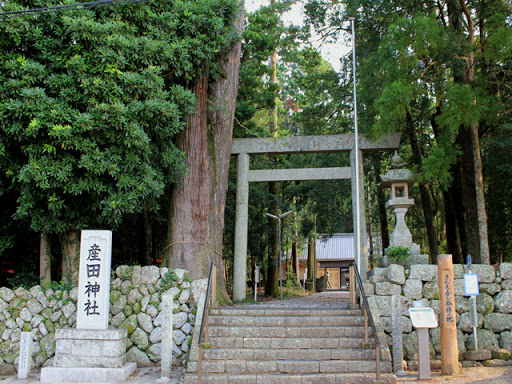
(486, 273)
(505, 270)
(478, 355)
(377, 275)
(501, 354)
(498, 322)
(431, 290)
(465, 322)
(52, 375)
(486, 340)
(490, 288)
(506, 284)
(396, 274)
(386, 288)
(423, 272)
(413, 289)
(495, 363)
(503, 301)
(506, 340)
(83, 348)
(484, 303)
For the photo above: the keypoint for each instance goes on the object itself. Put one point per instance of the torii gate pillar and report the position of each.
(243, 148)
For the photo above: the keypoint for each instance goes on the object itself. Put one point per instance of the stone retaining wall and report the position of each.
(419, 282)
(135, 299)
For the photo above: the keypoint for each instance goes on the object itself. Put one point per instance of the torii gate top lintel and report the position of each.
(304, 144)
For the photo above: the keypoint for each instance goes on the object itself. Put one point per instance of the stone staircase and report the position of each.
(259, 344)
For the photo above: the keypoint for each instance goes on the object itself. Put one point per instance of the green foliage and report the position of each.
(169, 280)
(91, 99)
(397, 253)
(23, 279)
(247, 300)
(57, 286)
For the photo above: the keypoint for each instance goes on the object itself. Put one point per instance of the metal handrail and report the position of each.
(203, 331)
(204, 320)
(368, 318)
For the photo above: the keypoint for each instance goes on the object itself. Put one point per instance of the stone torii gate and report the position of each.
(243, 148)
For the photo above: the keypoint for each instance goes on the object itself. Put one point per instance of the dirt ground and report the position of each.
(479, 375)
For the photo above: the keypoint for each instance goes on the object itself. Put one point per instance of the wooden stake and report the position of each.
(449, 350)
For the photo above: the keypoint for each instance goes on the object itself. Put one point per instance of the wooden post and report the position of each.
(213, 292)
(352, 282)
(449, 350)
(365, 325)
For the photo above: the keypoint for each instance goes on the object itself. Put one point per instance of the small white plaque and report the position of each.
(471, 287)
(94, 280)
(423, 317)
(25, 358)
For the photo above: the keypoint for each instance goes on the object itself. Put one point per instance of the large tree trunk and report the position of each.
(383, 216)
(148, 235)
(70, 244)
(428, 212)
(472, 244)
(477, 159)
(45, 260)
(196, 221)
(477, 174)
(272, 284)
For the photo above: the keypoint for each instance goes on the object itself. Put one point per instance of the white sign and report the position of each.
(423, 317)
(25, 358)
(471, 287)
(94, 280)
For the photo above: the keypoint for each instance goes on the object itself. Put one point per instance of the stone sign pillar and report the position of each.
(91, 353)
(166, 349)
(94, 280)
(25, 357)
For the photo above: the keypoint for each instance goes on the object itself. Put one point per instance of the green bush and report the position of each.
(397, 253)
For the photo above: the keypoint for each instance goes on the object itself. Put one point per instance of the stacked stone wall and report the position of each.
(419, 282)
(135, 298)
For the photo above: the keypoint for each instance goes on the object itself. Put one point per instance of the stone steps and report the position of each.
(286, 321)
(288, 354)
(287, 366)
(271, 331)
(286, 345)
(283, 342)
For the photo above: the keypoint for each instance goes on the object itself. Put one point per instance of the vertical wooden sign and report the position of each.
(447, 317)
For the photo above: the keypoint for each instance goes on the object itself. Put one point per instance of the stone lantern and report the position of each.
(399, 179)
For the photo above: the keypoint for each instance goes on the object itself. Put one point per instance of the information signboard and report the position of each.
(423, 317)
(471, 284)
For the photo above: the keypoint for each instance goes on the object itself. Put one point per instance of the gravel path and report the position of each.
(480, 375)
(331, 299)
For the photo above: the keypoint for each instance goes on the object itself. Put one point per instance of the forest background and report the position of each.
(122, 117)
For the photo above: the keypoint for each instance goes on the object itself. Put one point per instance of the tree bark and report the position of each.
(475, 141)
(272, 286)
(196, 221)
(45, 260)
(428, 212)
(472, 241)
(70, 244)
(383, 216)
(148, 235)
